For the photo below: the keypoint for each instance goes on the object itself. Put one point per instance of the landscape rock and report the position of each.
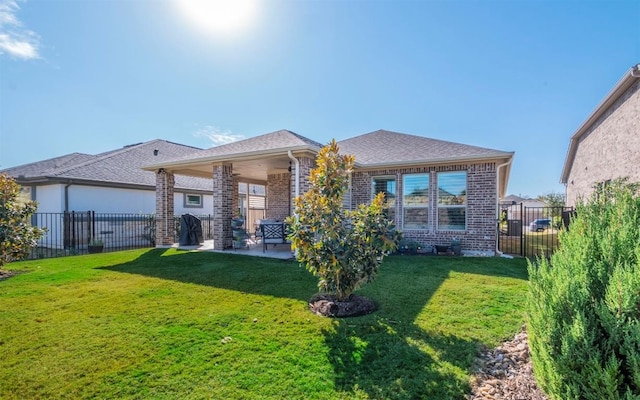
(506, 373)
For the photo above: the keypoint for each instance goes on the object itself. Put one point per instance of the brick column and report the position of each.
(236, 197)
(165, 225)
(222, 206)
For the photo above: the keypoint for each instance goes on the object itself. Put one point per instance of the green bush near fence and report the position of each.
(584, 304)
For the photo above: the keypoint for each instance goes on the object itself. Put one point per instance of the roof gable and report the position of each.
(393, 148)
(273, 141)
(628, 79)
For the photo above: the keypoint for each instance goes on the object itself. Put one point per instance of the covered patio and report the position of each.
(254, 248)
(280, 161)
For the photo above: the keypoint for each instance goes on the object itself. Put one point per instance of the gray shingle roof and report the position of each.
(385, 147)
(282, 139)
(41, 168)
(121, 166)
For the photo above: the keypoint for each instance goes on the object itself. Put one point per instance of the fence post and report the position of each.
(523, 242)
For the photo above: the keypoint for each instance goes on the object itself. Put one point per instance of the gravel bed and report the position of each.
(506, 373)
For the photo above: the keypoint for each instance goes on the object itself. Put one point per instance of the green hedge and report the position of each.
(584, 304)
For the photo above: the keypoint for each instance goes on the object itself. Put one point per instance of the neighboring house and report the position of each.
(110, 182)
(522, 209)
(436, 190)
(607, 144)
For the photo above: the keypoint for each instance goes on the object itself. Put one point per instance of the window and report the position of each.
(415, 201)
(346, 196)
(386, 185)
(452, 201)
(192, 200)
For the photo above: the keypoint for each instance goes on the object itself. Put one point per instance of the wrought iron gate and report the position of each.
(531, 231)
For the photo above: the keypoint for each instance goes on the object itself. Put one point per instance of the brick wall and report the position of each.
(164, 208)
(610, 149)
(480, 234)
(278, 192)
(306, 165)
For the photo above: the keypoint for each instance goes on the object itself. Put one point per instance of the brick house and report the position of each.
(436, 190)
(607, 144)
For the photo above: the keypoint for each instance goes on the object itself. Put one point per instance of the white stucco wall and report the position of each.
(50, 198)
(111, 200)
(179, 207)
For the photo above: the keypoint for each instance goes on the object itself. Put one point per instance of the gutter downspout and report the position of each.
(66, 195)
(295, 160)
(501, 254)
(297, 183)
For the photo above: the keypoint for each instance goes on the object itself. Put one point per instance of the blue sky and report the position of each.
(92, 76)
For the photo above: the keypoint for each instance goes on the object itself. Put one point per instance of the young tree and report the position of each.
(17, 237)
(556, 201)
(344, 248)
(553, 199)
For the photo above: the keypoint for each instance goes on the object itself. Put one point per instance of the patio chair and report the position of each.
(273, 233)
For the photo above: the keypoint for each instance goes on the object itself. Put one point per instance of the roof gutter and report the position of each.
(449, 160)
(627, 80)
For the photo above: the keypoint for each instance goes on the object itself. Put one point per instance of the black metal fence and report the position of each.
(525, 231)
(531, 231)
(74, 233)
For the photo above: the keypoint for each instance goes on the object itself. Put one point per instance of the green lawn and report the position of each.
(168, 324)
(537, 244)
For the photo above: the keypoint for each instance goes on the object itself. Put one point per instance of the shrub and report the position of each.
(344, 248)
(584, 304)
(17, 237)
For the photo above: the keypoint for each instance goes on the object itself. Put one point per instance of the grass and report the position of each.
(536, 244)
(166, 324)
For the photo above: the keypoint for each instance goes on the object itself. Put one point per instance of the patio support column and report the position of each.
(165, 224)
(222, 206)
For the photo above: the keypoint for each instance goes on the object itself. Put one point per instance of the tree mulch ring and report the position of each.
(327, 305)
(4, 274)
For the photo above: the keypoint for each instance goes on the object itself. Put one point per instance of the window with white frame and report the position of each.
(415, 201)
(452, 201)
(192, 200)
(346, 196)
(386, 185)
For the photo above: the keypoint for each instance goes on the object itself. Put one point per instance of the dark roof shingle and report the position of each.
(121, 166)
(282, 139)
(385, 147)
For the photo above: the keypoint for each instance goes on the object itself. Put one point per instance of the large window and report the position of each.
(386, 185)
(452, 201)
(415, 201)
